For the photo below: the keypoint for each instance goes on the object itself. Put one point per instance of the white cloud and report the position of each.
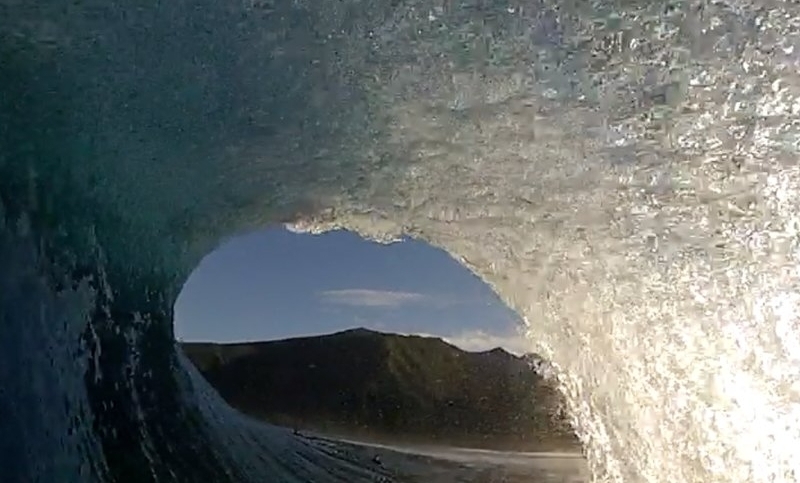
(479, 340)
(371, 298)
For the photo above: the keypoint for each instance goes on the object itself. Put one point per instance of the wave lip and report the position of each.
(624, 176)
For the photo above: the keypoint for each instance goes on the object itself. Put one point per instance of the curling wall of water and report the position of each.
(624, 175)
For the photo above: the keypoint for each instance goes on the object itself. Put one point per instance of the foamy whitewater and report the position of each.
(624, 174)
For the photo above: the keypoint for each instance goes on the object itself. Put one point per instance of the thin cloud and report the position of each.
(371, 298)
(479, 340)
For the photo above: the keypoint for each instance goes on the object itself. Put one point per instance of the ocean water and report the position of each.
(623, 174)
(448, 465)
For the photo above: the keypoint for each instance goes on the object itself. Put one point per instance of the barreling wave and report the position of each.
(622, 173)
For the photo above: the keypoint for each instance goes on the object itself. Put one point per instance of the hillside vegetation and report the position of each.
(388, 387)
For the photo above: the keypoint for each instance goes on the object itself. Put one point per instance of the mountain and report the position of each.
(387, 387)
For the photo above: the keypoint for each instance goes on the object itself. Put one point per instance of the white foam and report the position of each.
(658, 275)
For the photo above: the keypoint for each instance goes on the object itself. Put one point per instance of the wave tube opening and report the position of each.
(624, 176)
(393, 343)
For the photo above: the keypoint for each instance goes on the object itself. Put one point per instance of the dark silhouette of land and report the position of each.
(390, 388)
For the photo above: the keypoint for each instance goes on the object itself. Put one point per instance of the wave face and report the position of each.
(623, 174)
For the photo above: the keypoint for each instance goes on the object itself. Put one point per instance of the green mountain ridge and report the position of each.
(389, 387)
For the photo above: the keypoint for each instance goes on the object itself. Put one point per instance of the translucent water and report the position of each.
(624, 174)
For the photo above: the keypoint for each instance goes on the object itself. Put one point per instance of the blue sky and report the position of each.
(275, 284)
